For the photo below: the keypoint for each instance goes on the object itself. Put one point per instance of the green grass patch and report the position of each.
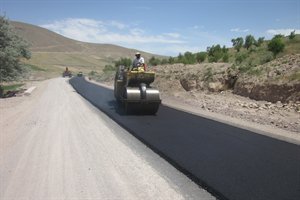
(34, 67)
(9, 90)
(12, 87)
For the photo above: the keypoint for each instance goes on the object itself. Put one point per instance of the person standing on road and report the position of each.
(138, 62)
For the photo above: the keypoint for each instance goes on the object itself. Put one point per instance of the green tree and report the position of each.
(276, 45)
(180, 58)
(292, 35)
(215, 53)
(225, 57)
(189, 58)
(108, 68)
(201, 56)
(237, 43)
(127, 62)
(12, 49)
(164, 61)
(224, 49)
(260, 41)
(154, 61)
(249, 41)
(278, 36)
(171, 60)
(240, 57)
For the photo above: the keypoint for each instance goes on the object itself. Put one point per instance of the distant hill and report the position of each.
(44, 40)
(53, 52)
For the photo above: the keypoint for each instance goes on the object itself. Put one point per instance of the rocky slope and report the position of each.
(278, 80)
(270, 97)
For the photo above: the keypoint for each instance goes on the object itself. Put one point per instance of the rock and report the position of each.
(188, 85)
(215, 86)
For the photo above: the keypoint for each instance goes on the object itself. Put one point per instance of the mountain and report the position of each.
(51, 50)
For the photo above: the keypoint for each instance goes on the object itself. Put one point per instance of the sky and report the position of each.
(165, 27)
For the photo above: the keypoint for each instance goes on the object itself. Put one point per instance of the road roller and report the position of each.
(133, 91)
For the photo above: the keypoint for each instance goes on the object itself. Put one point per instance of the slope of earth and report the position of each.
(53, 52)
(278, 80)
(205, 88)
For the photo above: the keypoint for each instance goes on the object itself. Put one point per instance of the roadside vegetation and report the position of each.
(246, 53)
(13, 49)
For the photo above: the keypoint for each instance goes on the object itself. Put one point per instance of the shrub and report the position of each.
(237, 43)
(208, 74)
(225, 57)
(240, 57)
(123, 61)
(201, 56)
(215, 53)
(171, 60)
(292, 35)
(249, 41)
(154, 61)
(189, 58)
(12, 49)
(276, 45)
(164, 61)
(108, 68)
(260, 41)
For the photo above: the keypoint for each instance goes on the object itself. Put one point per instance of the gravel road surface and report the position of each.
(56, 145)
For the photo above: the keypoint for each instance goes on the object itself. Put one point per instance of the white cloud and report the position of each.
(135, 36)
(118, 24)
(282, 31)
(173, 35)
(114, 32)
(239, 30)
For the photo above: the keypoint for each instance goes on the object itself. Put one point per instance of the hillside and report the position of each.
(52, 52)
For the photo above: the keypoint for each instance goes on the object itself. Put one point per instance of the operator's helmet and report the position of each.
(137, 53)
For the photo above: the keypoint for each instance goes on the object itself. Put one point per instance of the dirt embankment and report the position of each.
(269, 96)
(278, 80)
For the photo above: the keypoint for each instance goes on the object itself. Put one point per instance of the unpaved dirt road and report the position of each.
(55, 145)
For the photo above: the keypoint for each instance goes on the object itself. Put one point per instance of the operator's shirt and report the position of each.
(136, 61)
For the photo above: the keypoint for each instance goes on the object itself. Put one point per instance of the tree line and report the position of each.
(216, 53)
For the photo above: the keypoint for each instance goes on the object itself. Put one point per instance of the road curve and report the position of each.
(55, 145)
(231, 162)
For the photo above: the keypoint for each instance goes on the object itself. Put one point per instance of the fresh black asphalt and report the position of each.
(230, 162)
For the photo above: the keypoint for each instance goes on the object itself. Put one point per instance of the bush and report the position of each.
(260, 41)
(215, 53)
(201, 56)
(123, 61)
(171, 60)
(92, 73)
(266, 57)
(292, 35)
(249, 41)
(12, 49)
(154, 61)
(108, 68)
(225, 57)
(276, 45)
(189, 58)
(237, 43)
(164, 61)
(240, 57)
